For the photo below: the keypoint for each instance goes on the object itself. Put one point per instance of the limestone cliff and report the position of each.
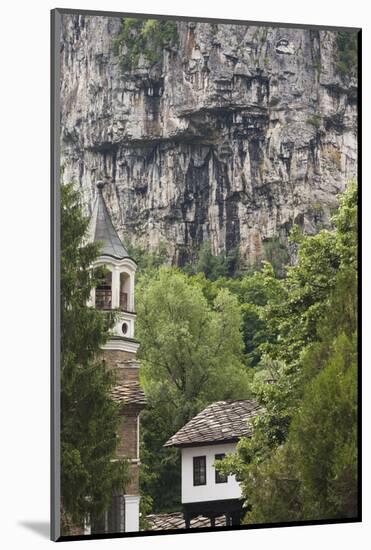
(237, 132)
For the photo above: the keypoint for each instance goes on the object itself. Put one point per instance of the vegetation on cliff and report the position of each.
(347, 53)
(143, 37)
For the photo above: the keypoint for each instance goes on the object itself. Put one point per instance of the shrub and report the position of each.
(347, 53)
(143, 36)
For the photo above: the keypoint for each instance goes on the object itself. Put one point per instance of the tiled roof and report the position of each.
(175, 520)
(220, 421)
(129, 393)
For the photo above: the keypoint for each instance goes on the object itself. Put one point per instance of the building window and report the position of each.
(199, 470)
(219, 477)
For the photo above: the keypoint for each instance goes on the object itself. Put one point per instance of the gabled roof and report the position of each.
(129, 393)
(101, 229)
(221, 421)
(175, 520)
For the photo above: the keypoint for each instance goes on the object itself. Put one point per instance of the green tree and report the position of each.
(89, 417)
(276, 253)
(191, 354)
(346, 56)
(313, 474)
(147, 261)
(214, 267)
(254, 291)
(323, 435)
(303, 450)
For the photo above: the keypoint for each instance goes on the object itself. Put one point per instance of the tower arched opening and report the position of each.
(103, 292)
(125, 291)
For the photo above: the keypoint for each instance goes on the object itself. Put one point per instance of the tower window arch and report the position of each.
(103, 292)
(124, 291)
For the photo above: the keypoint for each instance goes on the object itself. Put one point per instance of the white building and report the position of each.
(208, 437)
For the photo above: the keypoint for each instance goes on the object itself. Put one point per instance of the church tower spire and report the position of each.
(102, 229)
(116, 290)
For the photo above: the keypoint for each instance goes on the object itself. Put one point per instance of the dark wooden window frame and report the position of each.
(220, 478)
(198, 479)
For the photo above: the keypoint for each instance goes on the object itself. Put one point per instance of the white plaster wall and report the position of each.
(212, 490)
(126, 265)
(131, 513)
(117, 267)
(129, 319)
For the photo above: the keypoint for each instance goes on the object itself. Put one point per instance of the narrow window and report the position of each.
(103, 292)
(219, 477)
(124, 291)
(199, 470)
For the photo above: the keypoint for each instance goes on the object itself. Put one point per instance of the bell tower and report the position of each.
(116, 291)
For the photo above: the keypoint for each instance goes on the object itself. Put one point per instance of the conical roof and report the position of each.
(101, 229)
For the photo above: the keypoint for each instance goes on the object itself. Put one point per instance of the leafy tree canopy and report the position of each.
(191, 354)
(301, 462)
(215, 266)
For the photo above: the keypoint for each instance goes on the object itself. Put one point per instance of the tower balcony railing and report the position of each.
(124, 301)
(103, 298)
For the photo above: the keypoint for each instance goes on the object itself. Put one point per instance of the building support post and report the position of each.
(187, 520)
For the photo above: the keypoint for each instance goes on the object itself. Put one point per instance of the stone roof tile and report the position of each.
(175, 520)
(129, 393)
(220, 421)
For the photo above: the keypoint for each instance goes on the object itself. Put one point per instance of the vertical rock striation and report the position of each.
(235, 134)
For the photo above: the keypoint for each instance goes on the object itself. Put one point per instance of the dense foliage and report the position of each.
(214, 330)
(215, 266)
(88, 416)
(191, 354)
(276, 253)
(285, 335)
(146, 37)
(301, 462)
(347, 52)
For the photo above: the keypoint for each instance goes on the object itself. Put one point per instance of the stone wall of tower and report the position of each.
(128, 433)
(124, 365)
(128, 447)
(126, 369)
(133, 486)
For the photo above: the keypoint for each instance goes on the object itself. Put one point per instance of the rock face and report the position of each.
(237, 133)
